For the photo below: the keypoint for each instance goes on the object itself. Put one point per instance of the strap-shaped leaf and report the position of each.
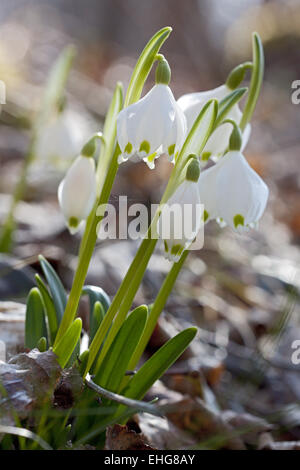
(144, 65)
(228, 102)
(35, 325)
(68, 342)
(96, 319)
(56, 288)
(96, 296)
(256, 80)
(115, 363)
(49, 309)
(155, 367)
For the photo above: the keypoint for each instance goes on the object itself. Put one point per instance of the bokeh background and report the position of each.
(241, 291)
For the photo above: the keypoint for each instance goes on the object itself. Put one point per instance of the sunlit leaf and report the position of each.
(35, 325)
(68, 342)
(56, 288)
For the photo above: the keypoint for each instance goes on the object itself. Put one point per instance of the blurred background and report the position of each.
(241, 291)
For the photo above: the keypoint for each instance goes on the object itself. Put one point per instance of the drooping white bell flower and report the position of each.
(181, 216)
(153, 125)
(192, 103)
(77, 192)
(233, 193)
(207, 190)
(60, 140)
(241, 193)
(177, 135)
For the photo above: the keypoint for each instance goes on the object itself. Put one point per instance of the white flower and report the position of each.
(61, 139)
(192, 103)
(233, 192)
(180, 220)
(151, 126)
(77, 192)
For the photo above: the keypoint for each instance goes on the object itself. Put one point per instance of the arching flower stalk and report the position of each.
(153, 125)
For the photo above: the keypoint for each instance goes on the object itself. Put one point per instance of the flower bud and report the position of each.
(77, 192)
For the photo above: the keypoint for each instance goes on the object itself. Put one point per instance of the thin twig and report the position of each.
(136, 404)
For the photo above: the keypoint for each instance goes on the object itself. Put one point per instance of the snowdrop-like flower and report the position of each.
(61, 139)
(77, 192)
(180, 217)
(241, 193)
(233, 192)
(153, 125)
(192, 103)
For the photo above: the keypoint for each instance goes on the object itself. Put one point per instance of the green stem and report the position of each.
(128, 288)
(122, 302)
(87, 251)
(156, 309)
(256, 80)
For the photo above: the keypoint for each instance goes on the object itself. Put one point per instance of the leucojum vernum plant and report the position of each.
(200, 130)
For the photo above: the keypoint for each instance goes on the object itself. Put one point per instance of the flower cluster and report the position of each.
(230, 190)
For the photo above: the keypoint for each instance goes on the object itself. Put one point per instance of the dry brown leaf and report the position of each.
(27, 381)
(120, 437)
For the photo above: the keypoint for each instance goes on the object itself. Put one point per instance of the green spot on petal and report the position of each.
(205, 156)
(176, 250)
(166, 246)
(145, 147)
(128, 148)
(205, 215)
(171, 149)
(73, 222)
(238, 219)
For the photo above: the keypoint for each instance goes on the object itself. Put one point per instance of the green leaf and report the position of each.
(200, 131)
(228, 102)
(68, 342)
(82, 361)
(109, 136)
(155, 367)
(35, 325)
(49, 309)
(144, 65)
(256, 80)
(56, 288)
(115, 363)
(96, 295)
(96, 319)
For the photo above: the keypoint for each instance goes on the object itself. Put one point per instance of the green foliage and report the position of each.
(35, 325)
(144, 65)
(99, 304)
(49, 309)
(115, 363)
(155, 367)
(57, 290)
(68, 342)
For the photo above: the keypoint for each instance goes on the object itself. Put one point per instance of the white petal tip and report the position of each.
(122, 158)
